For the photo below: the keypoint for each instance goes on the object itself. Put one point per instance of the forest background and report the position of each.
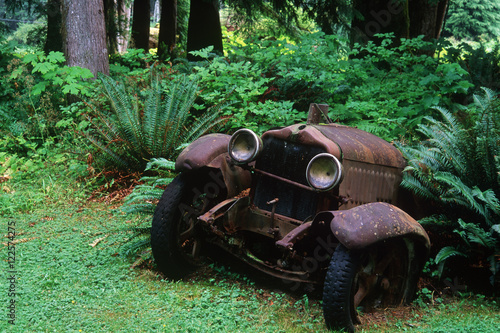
(75, 77)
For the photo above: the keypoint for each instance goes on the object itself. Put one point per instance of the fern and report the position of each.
(446, 253)
(142, 201)
(138, 130)
(458, 167)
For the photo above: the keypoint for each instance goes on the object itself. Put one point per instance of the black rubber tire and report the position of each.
(338, 290)
(175, 213)
(348, 270)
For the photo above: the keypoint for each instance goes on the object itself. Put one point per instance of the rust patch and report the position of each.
(202, 151)
(367, 224)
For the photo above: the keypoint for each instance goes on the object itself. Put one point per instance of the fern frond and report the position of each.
(126, 110)
(446, 253)
(139, 208)
(414, 185)
(477, 235)
(160, 163)
(136, 246)
(489, 198)
(152, 116)
(437, 219)
(484, 102)
(111, 156)
(458, 187)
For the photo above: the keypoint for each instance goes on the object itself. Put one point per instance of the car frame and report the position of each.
(311, 204)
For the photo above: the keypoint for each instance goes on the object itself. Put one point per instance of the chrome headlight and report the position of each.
(324, 172)
(244, 146)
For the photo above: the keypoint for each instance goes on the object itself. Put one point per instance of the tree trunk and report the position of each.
(111, 26)
(140, 24)
(204, 27)
(124, 12)
(427, 19)
(117, 17)
(168, 28)
(406, 19)
(84, 35)
(54, 40)
(379, 17)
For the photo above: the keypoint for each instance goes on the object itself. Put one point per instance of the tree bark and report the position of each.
(427, 19)
(124, 11)
(168, 28)
(406, 19)
(204, 27)
(54, 40)
(111, 26)
(140, 24)
(84, 35)
(379, 17)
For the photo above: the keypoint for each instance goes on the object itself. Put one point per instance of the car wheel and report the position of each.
(176, 236)
(380, 276)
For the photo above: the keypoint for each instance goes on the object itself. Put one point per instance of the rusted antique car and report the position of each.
(310, 203)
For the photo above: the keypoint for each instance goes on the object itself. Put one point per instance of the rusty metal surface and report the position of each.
(364, 225)
(343, 142)
(211, 151)
(293, 236)
(202, 151)
(358, 145)
(364, 183)
(272, 270)
(307, 135)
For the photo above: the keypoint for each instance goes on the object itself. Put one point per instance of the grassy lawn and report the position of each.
(70, 276)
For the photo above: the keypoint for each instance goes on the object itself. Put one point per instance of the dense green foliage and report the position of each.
(381, 89)
(473, 19)
(458, 167)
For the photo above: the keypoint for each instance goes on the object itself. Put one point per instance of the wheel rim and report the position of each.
(381, 278)
(189, 235)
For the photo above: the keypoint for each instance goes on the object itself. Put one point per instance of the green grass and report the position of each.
(71, 277)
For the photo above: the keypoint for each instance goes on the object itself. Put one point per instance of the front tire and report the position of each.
(176, 236)
(380, 276)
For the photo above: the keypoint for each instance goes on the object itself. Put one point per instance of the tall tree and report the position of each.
(54, 41)
(168, 28)
(84, 35)
(117, 17)
(404, 18)
(204, 27)
(140, 24)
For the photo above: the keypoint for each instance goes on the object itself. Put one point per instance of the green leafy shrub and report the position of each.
(383, 89)
(154, 125)
(134, 60)
(30, 34)
(37, 86)
(481, 60)
(458, 168)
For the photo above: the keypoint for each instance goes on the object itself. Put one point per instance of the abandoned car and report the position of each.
(313, 203)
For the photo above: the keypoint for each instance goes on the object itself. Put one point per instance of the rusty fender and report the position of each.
(211, 151)
(367, 224)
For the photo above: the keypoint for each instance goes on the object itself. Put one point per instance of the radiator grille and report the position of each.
(364, 183)
(288, 160)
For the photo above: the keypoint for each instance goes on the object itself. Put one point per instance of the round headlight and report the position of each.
(324, 172)
(244, 146)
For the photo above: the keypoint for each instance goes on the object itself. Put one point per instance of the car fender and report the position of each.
(367, 224)
(210, 151)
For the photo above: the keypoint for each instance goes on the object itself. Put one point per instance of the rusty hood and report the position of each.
(344, 142)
